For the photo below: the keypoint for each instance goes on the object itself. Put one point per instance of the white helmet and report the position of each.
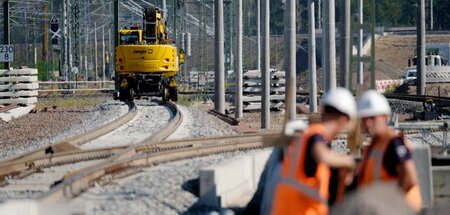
(341, 99)
(294, 126)
(373, 103)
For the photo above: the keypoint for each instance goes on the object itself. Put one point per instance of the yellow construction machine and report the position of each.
(146, 61)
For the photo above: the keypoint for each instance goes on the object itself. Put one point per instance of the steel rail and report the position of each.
(74, 185)
(7, 108)
(72, 143)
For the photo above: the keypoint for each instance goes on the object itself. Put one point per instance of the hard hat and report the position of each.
(341, 99)
(373, 103)
(294, 126)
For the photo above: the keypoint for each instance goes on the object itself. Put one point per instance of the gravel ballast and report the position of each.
(48, 127)
(150, 118)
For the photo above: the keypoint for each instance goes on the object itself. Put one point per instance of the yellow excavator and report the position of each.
(146, 61)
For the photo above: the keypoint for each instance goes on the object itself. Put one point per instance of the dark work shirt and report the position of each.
(310, 162)
(311, 167)
(396, 153)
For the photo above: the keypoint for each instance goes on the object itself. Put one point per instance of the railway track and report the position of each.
(145, 155)
(65, 154)
(72, 143)
(7, 108)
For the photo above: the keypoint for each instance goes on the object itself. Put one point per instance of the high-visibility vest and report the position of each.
(372, 169)
(295, 192)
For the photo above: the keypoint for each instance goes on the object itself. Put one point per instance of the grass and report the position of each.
(189, 100)
(69, 102)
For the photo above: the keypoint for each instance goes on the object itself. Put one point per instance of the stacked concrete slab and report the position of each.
(252, 89)
(18, 86)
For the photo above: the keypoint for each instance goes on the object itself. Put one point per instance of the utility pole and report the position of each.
(319, 15)
(6, 35)
(312, 58)
(75, 24)
(265, 72)
(95, 52)
(421, 69)
(345, 45)
(360, 43)
(219, 102)
(330, 46)
(116, 40)
(258, 33)
(238, 110)
(431, 14)
(290, 45)
(103, 54)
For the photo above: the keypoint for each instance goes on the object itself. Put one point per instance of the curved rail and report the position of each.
(36, 161)
(72, 143)
(75, 184)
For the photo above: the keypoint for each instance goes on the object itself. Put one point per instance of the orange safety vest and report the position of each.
(372, 169)
(296, 193)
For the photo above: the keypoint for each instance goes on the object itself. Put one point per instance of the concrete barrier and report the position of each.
(33, 207)
(422, 160)
(233, 182)
(441, 181)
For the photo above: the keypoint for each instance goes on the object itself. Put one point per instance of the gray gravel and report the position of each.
(44, 128)
(150, 118)
(197, 123)
(405, 107)
(171, 188)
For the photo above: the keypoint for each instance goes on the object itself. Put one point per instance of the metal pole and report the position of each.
(116, 40)
(219, 102)
(330, 46)
(103, 55)
(258, 33)
(164, 6)
(319, 15)
(431, 14)
(95, 52)
(238, 111)
(372, 50)
(290, 59)
(312, 58)
(6, 35)
(66, 47)
(360, 43)
(345, 45)
(265, 73)
(421, 70)
(86, 52)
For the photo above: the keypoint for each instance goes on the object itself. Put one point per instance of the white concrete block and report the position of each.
(11, 87)
(19, 79)
(422, 161)
(25, 101)
(221, 183)
(233, 182)
(20, 111)
(27, 71)
(259, 162)
(25, 207)
(27, 93)
(5, 117)
(441, 180)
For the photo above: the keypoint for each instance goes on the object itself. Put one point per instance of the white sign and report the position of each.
(6, 53)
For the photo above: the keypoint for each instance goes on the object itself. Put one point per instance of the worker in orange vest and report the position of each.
(388, 158)
(302, 187)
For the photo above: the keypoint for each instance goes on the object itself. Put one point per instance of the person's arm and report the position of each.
(407, 175)
(322, 153)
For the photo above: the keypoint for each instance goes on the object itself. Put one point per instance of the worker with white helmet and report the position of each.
(304, 173)
(388, 158)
